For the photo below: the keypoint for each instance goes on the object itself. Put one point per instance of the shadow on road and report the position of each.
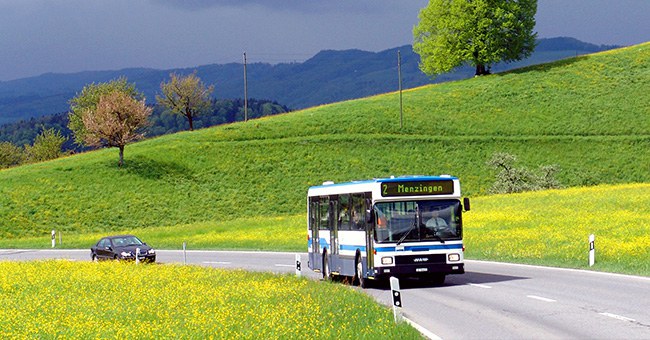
(451, 280)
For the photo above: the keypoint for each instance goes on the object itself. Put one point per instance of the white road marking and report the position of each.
(285, 265)
(427, 333)
(617, 317)
(540, 298)
(480, 285)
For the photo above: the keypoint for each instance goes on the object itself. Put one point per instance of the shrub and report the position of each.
(511, 179)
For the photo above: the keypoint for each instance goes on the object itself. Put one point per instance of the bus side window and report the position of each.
(344, 212)
(358, 212)
(324, 213)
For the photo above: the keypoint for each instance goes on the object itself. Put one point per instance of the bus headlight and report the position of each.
(387, 260)
(453, 257)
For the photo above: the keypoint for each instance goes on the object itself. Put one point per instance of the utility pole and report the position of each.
(399, 75)
(245, 91)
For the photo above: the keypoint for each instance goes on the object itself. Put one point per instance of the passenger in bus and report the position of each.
(356, 220)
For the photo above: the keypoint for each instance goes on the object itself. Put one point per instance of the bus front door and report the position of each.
(370, 229)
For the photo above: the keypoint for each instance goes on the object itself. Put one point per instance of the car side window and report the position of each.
(104, 243)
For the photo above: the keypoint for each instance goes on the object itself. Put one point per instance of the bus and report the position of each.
(399, 226)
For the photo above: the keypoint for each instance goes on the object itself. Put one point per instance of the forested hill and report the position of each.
(329, 76)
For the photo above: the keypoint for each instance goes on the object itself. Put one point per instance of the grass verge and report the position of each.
(63, 299)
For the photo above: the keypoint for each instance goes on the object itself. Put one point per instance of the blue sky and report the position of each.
(63, 36)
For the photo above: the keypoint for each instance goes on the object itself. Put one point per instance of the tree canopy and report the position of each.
(478, 32)
(87, 101)
(186, 95)
(117, 120)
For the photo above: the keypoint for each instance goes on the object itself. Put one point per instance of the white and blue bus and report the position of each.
(403, 227)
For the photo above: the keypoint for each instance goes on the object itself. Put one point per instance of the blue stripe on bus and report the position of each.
(352, 247)
(325, 244)
(420, 248)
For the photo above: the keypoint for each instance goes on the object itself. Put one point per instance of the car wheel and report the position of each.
(94, 258)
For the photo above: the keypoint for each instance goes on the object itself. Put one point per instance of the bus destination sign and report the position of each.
(419, 188)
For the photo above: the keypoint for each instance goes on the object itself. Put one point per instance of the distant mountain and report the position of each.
(329, 76)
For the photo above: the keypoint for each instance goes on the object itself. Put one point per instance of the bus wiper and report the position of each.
(435, 236)
(415, 223)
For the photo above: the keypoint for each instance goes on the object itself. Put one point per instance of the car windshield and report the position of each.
(125, 241)
(416, 221)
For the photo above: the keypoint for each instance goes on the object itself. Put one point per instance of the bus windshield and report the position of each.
(416, 221)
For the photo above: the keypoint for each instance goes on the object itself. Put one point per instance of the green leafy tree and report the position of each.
(10, 155)
(87, 101)
(47, 145)
(117, 120)
(185, 95)
(477, 32)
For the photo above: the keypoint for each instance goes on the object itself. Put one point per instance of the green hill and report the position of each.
(590, 115)
(329, 76)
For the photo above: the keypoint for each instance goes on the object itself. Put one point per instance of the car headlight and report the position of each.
(151, 251)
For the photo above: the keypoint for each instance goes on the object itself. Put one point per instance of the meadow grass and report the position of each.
(63, 299)
(552, 228)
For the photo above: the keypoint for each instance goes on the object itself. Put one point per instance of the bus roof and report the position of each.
(330, 184)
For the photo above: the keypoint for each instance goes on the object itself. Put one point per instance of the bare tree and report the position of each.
(117, 121)
(187, 96)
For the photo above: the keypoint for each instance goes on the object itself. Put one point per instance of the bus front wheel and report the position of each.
(327, 274)
(358, 273)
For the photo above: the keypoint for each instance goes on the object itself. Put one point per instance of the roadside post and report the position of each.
(53, 238)
(137, 255)
(298, 266)
(592, 249)
(397, 298)
(184, 252)
(60, 238)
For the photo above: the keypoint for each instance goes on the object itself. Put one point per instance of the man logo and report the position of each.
(421, 259)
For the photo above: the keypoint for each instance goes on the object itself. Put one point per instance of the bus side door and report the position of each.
(314, 219)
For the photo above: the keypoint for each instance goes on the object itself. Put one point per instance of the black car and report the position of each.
(122, 247)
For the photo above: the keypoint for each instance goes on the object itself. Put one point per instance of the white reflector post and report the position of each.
(53, 238)
(184, 252)
(397, 298)
(137, 255)
(298, 266)
(592, 249)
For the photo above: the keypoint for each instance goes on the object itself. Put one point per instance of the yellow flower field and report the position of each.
(552, 227)
(63, 299)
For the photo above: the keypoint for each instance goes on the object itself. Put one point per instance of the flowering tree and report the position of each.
(87, 100)
(117, 120)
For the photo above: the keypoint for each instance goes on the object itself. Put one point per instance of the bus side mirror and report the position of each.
(369, 216)
(466, 203)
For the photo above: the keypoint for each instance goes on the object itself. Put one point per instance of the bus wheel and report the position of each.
(358, 273)
(327, 275)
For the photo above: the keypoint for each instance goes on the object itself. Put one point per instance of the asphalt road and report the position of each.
(490, 301)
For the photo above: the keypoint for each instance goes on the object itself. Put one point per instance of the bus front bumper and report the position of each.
(419, 270)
